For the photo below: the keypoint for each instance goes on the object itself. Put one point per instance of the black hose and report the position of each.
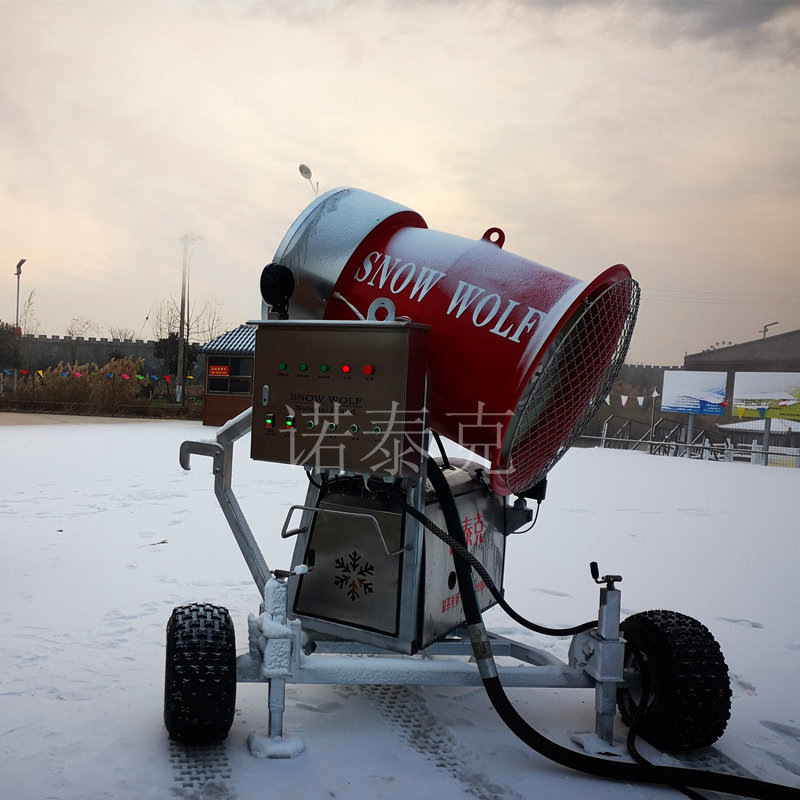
(639, 773)
(438, 439)
(463, 555)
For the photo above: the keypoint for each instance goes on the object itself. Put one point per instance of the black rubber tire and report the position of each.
(689, 695)
(200, 674)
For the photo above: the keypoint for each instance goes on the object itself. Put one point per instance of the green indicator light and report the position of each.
(323, 368)
(310, 424)
(289, 422)
(331, 426)
(354, 429)
(282, 365)
(268, 421)
(377, 429)
(302, 366)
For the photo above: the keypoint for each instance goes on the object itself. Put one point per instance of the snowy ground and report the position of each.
(102, 533)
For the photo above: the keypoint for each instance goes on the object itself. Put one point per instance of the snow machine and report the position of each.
(378, 338)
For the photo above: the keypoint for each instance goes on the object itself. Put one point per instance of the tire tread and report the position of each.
(200, 674)
(690, 700)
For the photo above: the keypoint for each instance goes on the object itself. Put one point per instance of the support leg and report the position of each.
(276, 664)
(605, 705)
(276, 705)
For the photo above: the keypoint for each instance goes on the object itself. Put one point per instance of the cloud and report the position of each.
(745, 25)
(592, 133)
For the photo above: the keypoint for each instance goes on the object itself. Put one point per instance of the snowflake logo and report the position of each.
(352, 576)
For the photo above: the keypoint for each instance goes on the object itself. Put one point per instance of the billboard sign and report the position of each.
(767, 394)
(695, 392)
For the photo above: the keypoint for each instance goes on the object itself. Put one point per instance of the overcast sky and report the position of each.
(662, 135)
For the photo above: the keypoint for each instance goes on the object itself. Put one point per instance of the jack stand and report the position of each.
(272, 647)
(601, 653)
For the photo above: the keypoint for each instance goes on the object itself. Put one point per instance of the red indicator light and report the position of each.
(345, 368)
(368, 369)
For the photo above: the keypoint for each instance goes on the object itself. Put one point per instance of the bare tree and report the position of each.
(204, 320)
(80, 327)
(207, 323)
(164, 319)
(124, 334)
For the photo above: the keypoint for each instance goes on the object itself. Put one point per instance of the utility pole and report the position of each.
(183, 332)
(16, 318)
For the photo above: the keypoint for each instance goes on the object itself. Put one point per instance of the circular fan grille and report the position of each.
(572, 380)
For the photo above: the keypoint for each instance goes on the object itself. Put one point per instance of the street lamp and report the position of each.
(305, 171)
(763, 331)
(16, 318)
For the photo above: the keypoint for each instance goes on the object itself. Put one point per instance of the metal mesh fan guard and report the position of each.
(570, 383)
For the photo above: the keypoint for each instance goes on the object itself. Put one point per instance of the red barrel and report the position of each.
(520, 355)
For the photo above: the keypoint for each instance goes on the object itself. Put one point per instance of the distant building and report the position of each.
(783, 432)
(228, 374)
(779, 353)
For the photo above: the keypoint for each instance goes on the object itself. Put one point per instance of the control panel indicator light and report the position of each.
(332, 426)
(377, 429)
(368, 369)
(289, 422)
(302, 366)
(346, 368)
(269, 421)
(323, 367)
(282, 365)
(354, 428)
(310, 424)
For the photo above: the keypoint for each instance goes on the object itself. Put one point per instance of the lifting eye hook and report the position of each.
(608, 580)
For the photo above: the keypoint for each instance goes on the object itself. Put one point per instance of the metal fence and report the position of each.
(669, 439)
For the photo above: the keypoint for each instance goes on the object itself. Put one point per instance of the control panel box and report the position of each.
(349, 396)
